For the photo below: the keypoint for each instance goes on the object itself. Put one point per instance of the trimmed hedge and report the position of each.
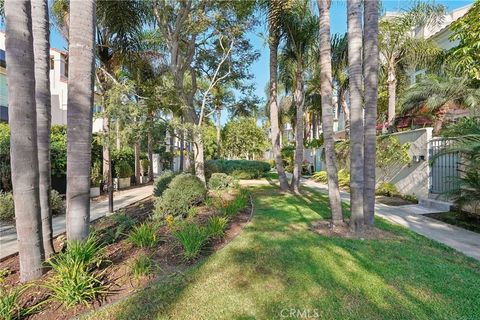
(220, 181)
(238, 169)
(162, 181)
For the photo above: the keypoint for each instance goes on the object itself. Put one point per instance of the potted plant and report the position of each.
(144, 165)
(124, 172)
(95, 179)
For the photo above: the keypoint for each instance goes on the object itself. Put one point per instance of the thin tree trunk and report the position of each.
(219, 131)
(392, 93)
(370, 62)
(117, 135)
(343, 103)
(79, 117)
(172, 149)
(356, 117)
(41, 44)
(136, 149)
(199, 158)
(107, 161)
(327, 111)
(23, 137)
(298, 99)
(274, 112)
(182, 150)
(150, 154)
(440, 118)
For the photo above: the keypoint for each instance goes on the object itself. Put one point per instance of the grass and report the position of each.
(278, 264)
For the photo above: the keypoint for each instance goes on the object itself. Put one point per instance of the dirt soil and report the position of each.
(119, 256)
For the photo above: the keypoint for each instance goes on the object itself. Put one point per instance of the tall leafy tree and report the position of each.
(354, 10)
(327, 111)
(41, 44)
(398, 45)
(23, 138)
(79, 116)
(370, 65)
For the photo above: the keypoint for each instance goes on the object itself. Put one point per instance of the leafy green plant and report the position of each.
(142, 266)
(143, 236)
(56, 203)
(238, 169)
(96, 174)
(184, 192)
(237, 204)
(145, 164)
(124, 224)
(192, 238)
(7, 208)
(4, 272)
(161, 182)
(320, 176)
(344, 179)
(220, 181)
(11, 307)
(386, 189)
(87, 252)
(123, 169)
(216, 226)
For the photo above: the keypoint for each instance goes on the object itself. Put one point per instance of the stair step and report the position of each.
(435, 204)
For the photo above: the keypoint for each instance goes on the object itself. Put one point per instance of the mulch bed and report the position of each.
(342, 230)
(119, 257)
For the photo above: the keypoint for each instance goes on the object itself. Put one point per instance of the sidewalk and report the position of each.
(411, 216)
(98, 209)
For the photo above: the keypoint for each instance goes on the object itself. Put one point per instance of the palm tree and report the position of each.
(275, 12)
(327, 111)
(23, 137)
(79, 116)
(356, 116)
(437, 95)
(301, 29)
(41, 44)
(398, 45)
(340, 75)
(370, 65)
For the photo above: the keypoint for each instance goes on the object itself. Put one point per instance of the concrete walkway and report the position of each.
(98, 209)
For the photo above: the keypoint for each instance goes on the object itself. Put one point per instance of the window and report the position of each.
(2, 58)
(52, 63)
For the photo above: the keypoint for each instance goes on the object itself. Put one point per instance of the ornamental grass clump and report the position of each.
(192, 238)
(143, 236)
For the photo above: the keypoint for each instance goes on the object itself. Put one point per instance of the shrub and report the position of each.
(184, 192)
(73, 279)
(215, 227)
(143, 236)
(96, 174)
(272, 163)
(386, 189)
(192, 238)
(10, 303)
(320, 176)
(162, 181)
(7, 209)
(142, 266)
(237, 204)
(123, 169)
(220, 181)
(344, 179)
(144, 164)
(239, 169)
(288, 154)
(56, 203)
(124, 224)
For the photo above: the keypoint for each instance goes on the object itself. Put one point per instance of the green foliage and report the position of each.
(386, 189)
(239, 169)
(56, 203)
(96, 174)
(288, 154)
(216, 226)
(143, 236)
(239, 203)
(466, 55)
(145, 163)
(192, 239)
(74, 280)
(11, 305)
(142, 266)
(4, 272)
(58, 150)
(5, 180)
(390, 153)
(184, 192)
(125, 155)
(320, 176)
(162, 181)
(220, 181)
(344, 179)
(242, 138)
(464, 126)
(123, 169)
(124, 223)
(7, 207)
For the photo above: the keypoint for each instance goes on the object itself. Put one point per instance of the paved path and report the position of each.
(98, 209)
(412, 217)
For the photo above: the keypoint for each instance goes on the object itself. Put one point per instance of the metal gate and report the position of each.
(444, 169)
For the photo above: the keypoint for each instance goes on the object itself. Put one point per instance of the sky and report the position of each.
(338, 20)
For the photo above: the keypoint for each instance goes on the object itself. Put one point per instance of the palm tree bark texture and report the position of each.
(79, 117)
(327, 111)
(356, 113)
(23, 137)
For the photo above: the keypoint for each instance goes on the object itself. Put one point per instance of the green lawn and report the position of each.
(277, 263)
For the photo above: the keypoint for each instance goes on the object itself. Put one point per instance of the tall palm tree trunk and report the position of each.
(41, 44)
(346, 111)
(370, 63)
(299, 134)
(150, 151)
(79, 117)
(327, 111)
(356, 117)
(23, 137)
(274, 114)
(392, 93)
